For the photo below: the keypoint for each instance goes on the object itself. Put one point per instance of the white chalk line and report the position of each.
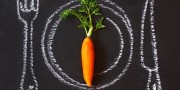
(102, 86)
(127, 23)
(53, 30)
(25, 41)
(32, 59)
(53, 60)
(51, 36)
(114, 64)
(24, 47)
(156, 86)
(154, 45)
(43, 47)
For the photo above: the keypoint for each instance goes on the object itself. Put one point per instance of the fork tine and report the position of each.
(21, 6)
(25, 5)
(32, 5)
(37, 4)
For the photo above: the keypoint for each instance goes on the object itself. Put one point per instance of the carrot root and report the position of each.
(87, 56)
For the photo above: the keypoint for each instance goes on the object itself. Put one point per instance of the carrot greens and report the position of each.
(87, 9)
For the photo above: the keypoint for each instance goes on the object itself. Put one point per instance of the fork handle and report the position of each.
(28, 80)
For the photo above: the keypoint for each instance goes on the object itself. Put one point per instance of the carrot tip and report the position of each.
(89, 84)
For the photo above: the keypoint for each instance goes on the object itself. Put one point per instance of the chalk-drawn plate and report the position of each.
(61, 46)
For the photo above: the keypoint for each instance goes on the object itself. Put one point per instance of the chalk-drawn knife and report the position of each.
(153, 82)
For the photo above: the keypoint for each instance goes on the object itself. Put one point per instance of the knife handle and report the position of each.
(154, 82)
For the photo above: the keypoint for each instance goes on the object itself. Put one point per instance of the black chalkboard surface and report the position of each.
(138, 49)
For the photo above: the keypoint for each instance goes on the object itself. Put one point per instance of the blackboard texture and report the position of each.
(138, 50)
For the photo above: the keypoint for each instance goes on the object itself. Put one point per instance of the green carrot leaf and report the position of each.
(65, 13)
(99, 24)
(85, 13)
(95, 11)
(83, 10)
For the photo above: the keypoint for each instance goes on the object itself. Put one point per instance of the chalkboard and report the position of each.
(138, 49)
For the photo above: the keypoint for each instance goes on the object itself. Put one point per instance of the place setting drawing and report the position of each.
(54, 40)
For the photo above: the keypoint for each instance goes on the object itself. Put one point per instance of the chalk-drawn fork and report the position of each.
(153, 72)
(27, 13)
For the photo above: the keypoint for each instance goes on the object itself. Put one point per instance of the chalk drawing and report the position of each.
(50, 61)
(120, 50)
(28, 33)
(157, 85)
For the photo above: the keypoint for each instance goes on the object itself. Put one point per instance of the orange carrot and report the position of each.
(87, 56)
(84, 14)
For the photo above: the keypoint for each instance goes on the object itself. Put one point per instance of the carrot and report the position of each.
(87, 9)
(87, 55)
